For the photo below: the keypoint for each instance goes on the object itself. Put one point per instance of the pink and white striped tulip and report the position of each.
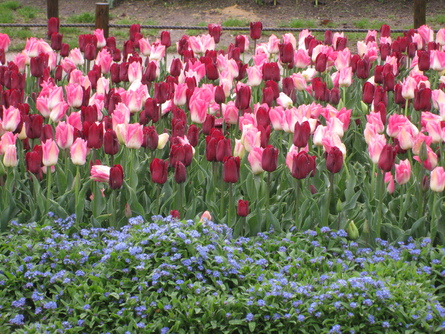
(100, 173)
(437, 181)
(79, 151)
(10, 156)
(74, 95)
(255, 159)
(64, 135)
(50, 153)
(403, 171)
(11, 119)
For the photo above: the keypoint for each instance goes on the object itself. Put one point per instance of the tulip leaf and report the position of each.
(9, 210)
(132, 200)
(272, 220)
(352, 203)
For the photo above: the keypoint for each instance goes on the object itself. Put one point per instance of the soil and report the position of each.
(329, 13)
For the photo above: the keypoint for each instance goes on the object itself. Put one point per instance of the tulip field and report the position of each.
(167, 186)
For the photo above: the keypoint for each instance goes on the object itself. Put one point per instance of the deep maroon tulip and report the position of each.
(387, 157)
(89, 114)
(178, 128)
(301, 134)
(268, 96)
(34, 163)
(208, 124)
(175, 214)
(255, 30)
(111, 144)
(243, 96)
(286, 53)
(389, 81)
(159, 171)
(166, 39)
(223, 149)
(385, 50)
(162, 92)
(53, 26)
(422, 99)
(269, 160)
(240, 42)
(385, 30)
(47, 133)
(262, 116)
(381, 109)
(362, 69)
(215, 31)
(328, 37)
(335, 96)
(288, 86)
(398, 98)
(58, 73)
(33, 126)
(220, 96)
(271, 71)
(56, 41)
(378, 74)
(312, 44)
(211, 145)
(37, 66)
(193, 135)
(211, 71)
(243, 208)
(114, 73)
(264, 135)
(334, 159)
(275, 89)
(412, 49)
(231, 169)
(134, 29)
(151, 108)
(183, 45)
(319, 88)
(123, 72)
(353, 63)
(95, 135)
(380, 96)
(111, 42)
(234, 52)
(116, 177)
(341, 44)
(242, 70)
(177, 153)
(90, 51)
(303, 165)
(65, 50)
(321, 62)
(150, 72)
(424, 60)
(175, 67)
(180, 172)
(151, 138)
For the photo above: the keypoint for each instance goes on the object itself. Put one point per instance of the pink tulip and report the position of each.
(343, 59)
(64, 135)
(100, 173)
(420, 139)
(437, 60)
(301, 58)
(230, 112)
(427, 33)
(11, 119)
(10, 156)
(254, 75)
(431, 161)
(4, 42)
(299, 81)
(104, 59)
(251, 137)
(395, 123)
(134, 136)
(440, 37)
(180, 96)
(76, 56)
(157, 52)
(74, 95)
(437, 181)
(345, 77)
(408, 87)
(8, 138)
(59, 111)
(389, 179)
(239, 150)
(101, 41)
(375, 147)
(406, 137)
(78, 151)
(134, 72)
(255, 159)
(205, 217)
(403, 171)
(284, 101)
(198, 107)
(50, 153)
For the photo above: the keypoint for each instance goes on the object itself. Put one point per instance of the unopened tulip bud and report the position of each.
(339, 206)
(243, 208)
(352, 230)
(116, 177)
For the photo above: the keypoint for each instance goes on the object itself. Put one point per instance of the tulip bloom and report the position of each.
(303, 165)
(100, 173)
(78, 151)
(269, 159)
(387, 157)
(34, 162)
(255, 30)
(159, 171)
(116, 178)
(231, 169)
(334, 160)
(50, 153)
(180, 172)
(10, 156)
(437, 182)
(255, 159)
(301, 134)
(403, 171)
(243, 208)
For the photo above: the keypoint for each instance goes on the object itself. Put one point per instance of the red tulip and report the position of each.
(159, 170)
(111, 144)
(53, 26)
(151, 109)
(368, 92)
(215, 31)
(334, 159)
(387, 157)
(180, 172)
(116, 177)
(303, 165)
(231, 169)
(165, 39)
(271, 71)
(220, 96)
(269, 160)
(422, 99)
(321, 62)
(424, 60)
(243, 208)
(56, 41)
(301, 134)
(385, 30)
(33, 126)
(286, 53)
(151, 138)
(243, 96)
(34, 162)
(95, 135)
(175, 68)
(255, 30)
(223, 149)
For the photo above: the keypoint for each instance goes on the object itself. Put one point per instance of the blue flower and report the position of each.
(17, 320)
(249, 317)
(335, 329)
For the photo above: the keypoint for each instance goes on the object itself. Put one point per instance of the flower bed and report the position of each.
(170, 276)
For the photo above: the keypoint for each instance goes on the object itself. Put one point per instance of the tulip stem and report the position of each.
(76, 193)
(380, 187)
(268, 191)
(48, 188)
(230, 220)
(113, 211)
(158, 200)
(434, 219)
(328, 201)
(297, 206)
(180, 198)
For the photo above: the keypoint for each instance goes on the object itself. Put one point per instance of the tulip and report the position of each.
(34, 162)
(223, 149)
(437, 181)
(50, 153)
(116, 178)
(243, 96)
(334, 160)
(95, 135)
(78, 151)
(10, 156)
(403, 171)
(33, 126)
(243, 208)
(271, 71)
(301, 134)
(269, 159)
(387, 157)
(159, 170)
(180, 172)
(11, 119)
(255, 30)
(303, 165)
(64, 135)
(231, 169)
(215, 31)
(100, 173)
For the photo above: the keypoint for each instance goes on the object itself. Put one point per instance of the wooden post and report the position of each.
(52, 8)
(419, 7)
(102, 17)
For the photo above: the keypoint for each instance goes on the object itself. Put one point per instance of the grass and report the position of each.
(194, 32)
(437, 19)
(368, 24)
(235, 23)
(82, 18)
(300, 23)
(10, 5)
(28, 12)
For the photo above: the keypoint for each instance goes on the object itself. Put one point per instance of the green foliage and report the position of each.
(233, 22)
(368, 24)
(300, 23)
(28, 12)
(85, 17)
(11, 5)
(193, 277)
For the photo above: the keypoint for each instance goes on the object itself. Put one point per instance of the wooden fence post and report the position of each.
(419, 7)
(52, 8)
(102, 17)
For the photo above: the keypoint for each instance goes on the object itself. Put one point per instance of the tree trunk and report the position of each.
(419, 13)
